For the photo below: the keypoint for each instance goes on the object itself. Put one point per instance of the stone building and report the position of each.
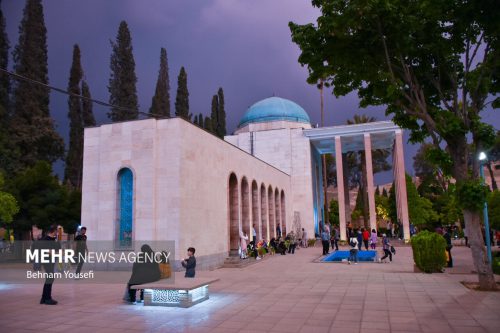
(168, 179)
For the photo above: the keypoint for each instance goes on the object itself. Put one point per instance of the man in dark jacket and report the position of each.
(49, 242)
(143, 272)
(447, 237)
(81, 248)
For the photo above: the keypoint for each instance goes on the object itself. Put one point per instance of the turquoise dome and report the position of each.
(274, 109)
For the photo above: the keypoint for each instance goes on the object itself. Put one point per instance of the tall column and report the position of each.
(340, 187)
(401, 186)
(369, 180)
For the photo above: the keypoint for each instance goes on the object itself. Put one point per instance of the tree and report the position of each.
(74, 158)
(221, 115)
(182, 98)
(207, 124)
(333, 213)
(4, 78)
(122, 82)
(160, 106)
(494, 210)
(494, 155)
(8, 204)
(43, 201)
(31, 128)
(435, 67)
(87, 113)
(214, 113)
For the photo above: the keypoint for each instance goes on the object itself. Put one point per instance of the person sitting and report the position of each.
(143, 271)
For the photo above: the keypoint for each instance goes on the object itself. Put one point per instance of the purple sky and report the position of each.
(243, 46)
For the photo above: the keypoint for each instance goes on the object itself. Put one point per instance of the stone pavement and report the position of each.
(280, 294)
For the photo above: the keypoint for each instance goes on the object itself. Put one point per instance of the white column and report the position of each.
(401, 187)
(369, 180)
(340, 187)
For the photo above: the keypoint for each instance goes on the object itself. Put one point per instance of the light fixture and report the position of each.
(482, 156)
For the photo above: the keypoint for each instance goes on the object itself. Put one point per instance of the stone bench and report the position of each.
(184, 293)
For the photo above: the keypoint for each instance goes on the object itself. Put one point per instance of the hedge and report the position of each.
(429, 251)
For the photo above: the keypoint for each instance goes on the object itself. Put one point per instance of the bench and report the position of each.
(183, 293)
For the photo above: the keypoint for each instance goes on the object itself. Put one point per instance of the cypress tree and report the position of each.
(200, 121)
(221, 115)
(214, 114)
(122, 83)
(31, 127)
(195, 120)
(74, 158)
(87, 113)
(208, 124)
(384, 192)
(4, 78)
(160, 106)
(182, 98)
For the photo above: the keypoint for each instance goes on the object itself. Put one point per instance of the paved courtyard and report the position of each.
(288, 293)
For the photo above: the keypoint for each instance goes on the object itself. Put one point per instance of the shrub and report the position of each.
(496, 262)
(311, 242)
(429, 251)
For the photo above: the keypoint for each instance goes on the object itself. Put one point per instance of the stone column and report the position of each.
(340, 187)
(369, 181)
(402, 201)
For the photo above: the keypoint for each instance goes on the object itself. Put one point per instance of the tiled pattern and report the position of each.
(282, 294)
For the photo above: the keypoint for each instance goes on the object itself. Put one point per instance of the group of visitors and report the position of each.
(357, 239)
(281, 244)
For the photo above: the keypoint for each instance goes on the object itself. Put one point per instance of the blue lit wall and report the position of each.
(126, 200)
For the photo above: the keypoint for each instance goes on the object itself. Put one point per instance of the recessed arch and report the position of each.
(283, 211)
(233, 222)
(255, 210)
(245, 206)
(277, 211)
(263, 213)
(270, 205)
(125, 207)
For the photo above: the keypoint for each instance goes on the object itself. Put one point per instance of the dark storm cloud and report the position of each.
(243, 46)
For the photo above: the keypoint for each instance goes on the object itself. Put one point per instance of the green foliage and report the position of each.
(494, 210)
(160, 106)
(182, 98)
(122, 82)
(333, 213)
(472, 194)
(43, 201)
(8, 204)
(4, 78)
(496, 263)
(74, 158)
(429, 251)
(31, 129)
(311, 242)
(87, 113)
(382, 207)
(218, 114)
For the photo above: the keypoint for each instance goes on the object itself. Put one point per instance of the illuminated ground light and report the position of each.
(175, 297)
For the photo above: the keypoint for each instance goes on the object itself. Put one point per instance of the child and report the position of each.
(373, 239)
(189, 263)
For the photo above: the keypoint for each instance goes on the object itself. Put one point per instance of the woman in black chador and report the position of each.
(143, 271)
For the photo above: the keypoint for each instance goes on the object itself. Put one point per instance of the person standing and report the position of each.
(389, 229)
(337, 237)
(386, 246)
(359, 236)
(466, 237)
(325, 240)
(304, 238)
(373, 239)
(254, 236)
(447, 237)
(190, 263)
(81, 249)
(366, 238)
(278, 231)
(49, 243)
(353, 252)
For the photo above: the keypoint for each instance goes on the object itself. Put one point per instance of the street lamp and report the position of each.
(482, 160)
